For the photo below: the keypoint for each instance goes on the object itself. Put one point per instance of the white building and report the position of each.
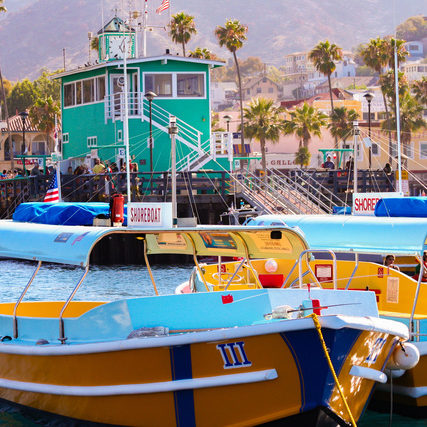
(415, 50)
(222, 94)
(414, 70)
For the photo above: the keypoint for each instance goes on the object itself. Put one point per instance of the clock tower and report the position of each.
(116, 39)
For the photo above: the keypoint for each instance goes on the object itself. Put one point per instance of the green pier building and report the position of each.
(93, 100)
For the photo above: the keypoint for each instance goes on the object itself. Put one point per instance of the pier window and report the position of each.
(190, 85)
(84, 91)
(65, 138)
(92, 141)
(160, 84)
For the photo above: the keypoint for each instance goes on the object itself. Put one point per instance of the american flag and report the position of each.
(165, 5)
(52, 194)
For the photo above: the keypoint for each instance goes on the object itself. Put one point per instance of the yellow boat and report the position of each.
(399, 297)
(238, 357)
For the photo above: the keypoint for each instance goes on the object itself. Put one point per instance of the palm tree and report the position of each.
(323, 56)
(182, 26)
(2, 8)
(304, 122)
(232, 36)
(419, 88)
(302, 157)
(341, 124)
(378, 54)
(42, 115)
(411, 119)
(263, 123)
(203, 54)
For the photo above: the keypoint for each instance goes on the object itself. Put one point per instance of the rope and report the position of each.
(331, 367)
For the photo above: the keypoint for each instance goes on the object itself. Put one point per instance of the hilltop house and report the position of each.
(93, 100)
(261, 86)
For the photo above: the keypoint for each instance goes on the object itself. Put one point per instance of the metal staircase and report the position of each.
(199, 152)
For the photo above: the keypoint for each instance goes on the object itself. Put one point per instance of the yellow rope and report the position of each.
(331, 367)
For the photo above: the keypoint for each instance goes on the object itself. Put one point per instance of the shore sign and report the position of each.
(364, 203)
(150, 215)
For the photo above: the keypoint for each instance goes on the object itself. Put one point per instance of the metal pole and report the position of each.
(126, 120)
(369, 133)
(144, 29)
(11, 151)
(151, 139)
(396, 81)
(356, 134)
(173, 130)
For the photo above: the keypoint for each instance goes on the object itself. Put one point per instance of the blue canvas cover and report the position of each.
(61, 213)
(402, 206)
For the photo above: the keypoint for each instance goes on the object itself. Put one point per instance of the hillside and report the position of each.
(34, 34)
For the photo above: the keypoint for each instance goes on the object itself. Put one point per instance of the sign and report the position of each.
(278, 161)
(32, 161)
(364, 203)
(150, 215)
(121, 152)
(405, 181)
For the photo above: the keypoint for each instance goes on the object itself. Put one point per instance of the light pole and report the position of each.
(227, 119)
(173, 131)
(24, 116)
(369, 97)
(150, 96)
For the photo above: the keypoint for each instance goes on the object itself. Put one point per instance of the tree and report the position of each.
(2, 8)
(42, 115)
(215, 123)
(341, 124)
(251, 66)
(411, 119)
(263, 123)
(323, 56)
(203, 54)
(302, 156)
(304, 122)
(378, 54)
(22, 96)
(419, 89)
(45, 86)
(414, 28)
(94, 43)
(182, 27)
(232, 36)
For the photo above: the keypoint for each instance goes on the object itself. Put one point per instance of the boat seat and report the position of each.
(271, 280)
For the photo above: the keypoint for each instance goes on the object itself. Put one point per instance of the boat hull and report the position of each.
(247, 379)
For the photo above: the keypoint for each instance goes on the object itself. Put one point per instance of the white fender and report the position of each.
(406, 359)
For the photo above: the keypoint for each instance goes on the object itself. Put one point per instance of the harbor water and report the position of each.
(108, 283)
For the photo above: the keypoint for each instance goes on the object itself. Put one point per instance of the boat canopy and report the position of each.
(74, 244)
(363, 234)
(402, 207)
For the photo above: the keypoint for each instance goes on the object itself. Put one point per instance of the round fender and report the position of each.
(405, 358)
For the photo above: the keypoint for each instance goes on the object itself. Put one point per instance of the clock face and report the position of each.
(117, 46)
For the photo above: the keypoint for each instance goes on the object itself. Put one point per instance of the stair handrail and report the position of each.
(322, 187)
(311, 199)
(266, 188)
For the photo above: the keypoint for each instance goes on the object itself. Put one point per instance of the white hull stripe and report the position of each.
(368, 373)
(334, 322)
(414, 392)
(161, 387)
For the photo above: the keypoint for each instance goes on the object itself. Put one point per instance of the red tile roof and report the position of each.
(15, 124)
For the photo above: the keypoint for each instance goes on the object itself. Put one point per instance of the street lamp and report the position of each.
(24, 116)
(227, 119)
(369, 97)
(150, 96)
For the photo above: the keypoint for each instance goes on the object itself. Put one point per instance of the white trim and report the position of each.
(92, 138)
(368, 373)
(95, 78)
(159, 387)
(140, 60)
(83, 105)
(334, 322)
(414, 392)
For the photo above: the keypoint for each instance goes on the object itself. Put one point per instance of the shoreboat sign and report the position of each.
(364, 203)
(150, 215)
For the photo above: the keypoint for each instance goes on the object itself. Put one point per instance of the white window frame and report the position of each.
(95, 91)
(119, 135)
(175, 85)
(65, 138)
(92, 141)
(421, 143)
